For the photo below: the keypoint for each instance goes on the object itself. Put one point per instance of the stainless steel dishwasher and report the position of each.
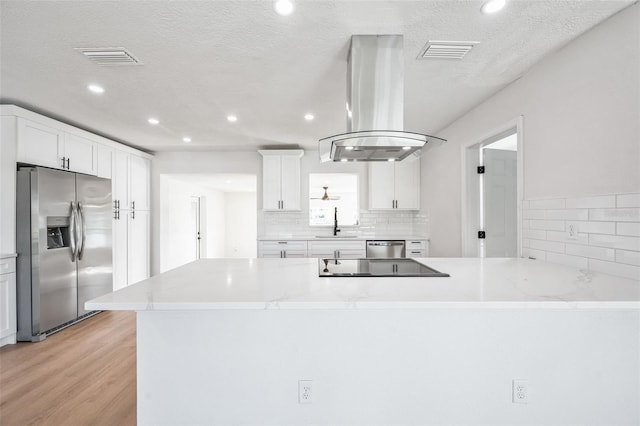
(385, 248)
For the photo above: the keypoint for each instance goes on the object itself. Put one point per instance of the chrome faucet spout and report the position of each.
(335, 222)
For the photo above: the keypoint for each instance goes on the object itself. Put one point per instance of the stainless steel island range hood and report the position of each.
(375, 102)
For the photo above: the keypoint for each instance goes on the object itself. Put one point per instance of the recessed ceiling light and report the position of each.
(232, 118)
(348, 148)
(309, 117)
(153, 121)
(391, 159)
(344, 160)
(186, 139)
(227, 181)
(492, 6)
(283, 7)
(95, 88)
(406, 148)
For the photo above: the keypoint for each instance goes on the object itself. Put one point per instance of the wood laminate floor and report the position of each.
(82, 375)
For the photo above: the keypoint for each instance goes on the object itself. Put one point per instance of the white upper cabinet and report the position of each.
(105, 162)
(139, 188)
(281, 179)
(46, 146)
(395, 186)
(120, 179)
(40, 145)
(80, 154)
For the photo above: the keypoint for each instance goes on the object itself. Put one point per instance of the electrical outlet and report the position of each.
(572, 231)
(520, 391)
(305, 395)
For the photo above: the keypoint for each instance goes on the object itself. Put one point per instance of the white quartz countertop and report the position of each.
(210, 284)
(8, 255)
(327, 237)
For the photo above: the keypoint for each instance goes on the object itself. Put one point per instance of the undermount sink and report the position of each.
(336, 236)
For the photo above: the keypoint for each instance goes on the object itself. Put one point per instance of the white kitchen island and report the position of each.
(226, 341)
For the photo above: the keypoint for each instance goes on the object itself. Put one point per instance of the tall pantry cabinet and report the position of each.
(132, 219)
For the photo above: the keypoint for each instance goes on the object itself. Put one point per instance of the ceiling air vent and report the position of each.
(446, 49)
(109, 56)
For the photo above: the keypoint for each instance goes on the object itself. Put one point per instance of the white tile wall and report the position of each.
(371, 223)
(607, 232)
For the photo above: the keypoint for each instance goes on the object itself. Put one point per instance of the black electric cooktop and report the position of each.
(397, 267)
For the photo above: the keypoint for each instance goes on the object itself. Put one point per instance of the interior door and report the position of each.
(194, 229)
(500, 203)
(95, 270)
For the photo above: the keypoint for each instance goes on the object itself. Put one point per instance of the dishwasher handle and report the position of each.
(387, 244)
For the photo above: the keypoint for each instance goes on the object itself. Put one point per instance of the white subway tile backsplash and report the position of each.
(557, 203)
(619, 269)
(564, 237)
(534, 254)
(567, 214)
(629, 228)
(615, 215)
(607, 232)
(628, 200)
(628, 257)
(602, 253)
(545, 245)
(597, 227)
(536, 234)
(615, 241)
(603, 201)
(564, 259)
(550, 225)
(534, 214)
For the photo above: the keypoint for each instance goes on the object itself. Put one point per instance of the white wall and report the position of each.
(195, 162)
(240, 224)
(581, 128)
(175, 234)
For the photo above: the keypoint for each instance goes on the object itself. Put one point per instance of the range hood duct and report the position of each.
(375, 105)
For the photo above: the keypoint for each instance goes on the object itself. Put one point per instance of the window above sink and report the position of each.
(328, 191)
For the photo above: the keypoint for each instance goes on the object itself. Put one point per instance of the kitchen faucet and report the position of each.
(335, 222)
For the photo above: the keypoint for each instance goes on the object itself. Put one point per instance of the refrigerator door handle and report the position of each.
(73, 232)
(83, 231)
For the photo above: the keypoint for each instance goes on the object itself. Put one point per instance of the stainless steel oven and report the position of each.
(386, 249)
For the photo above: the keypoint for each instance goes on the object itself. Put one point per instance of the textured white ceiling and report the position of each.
(204, 60)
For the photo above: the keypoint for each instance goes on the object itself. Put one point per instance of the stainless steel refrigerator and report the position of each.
(64, 248)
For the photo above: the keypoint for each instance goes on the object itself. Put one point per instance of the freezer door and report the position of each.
(47, 279)
(95, 268)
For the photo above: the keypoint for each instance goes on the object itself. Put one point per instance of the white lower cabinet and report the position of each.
(417, 248)
(331, 249)
(138, 247)
(120, 250)
(8, 325)
(337, 249)
(131, 248)
(282, 249)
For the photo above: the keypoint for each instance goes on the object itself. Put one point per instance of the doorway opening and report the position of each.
(492, 193)
(207, 216)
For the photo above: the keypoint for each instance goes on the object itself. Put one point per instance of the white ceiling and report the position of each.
(204, 60)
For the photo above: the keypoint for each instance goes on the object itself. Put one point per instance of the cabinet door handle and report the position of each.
(133, 214)
(63, 162)
(282, 242)
(68, 161)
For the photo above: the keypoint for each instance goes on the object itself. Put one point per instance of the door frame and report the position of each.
(471, 212)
